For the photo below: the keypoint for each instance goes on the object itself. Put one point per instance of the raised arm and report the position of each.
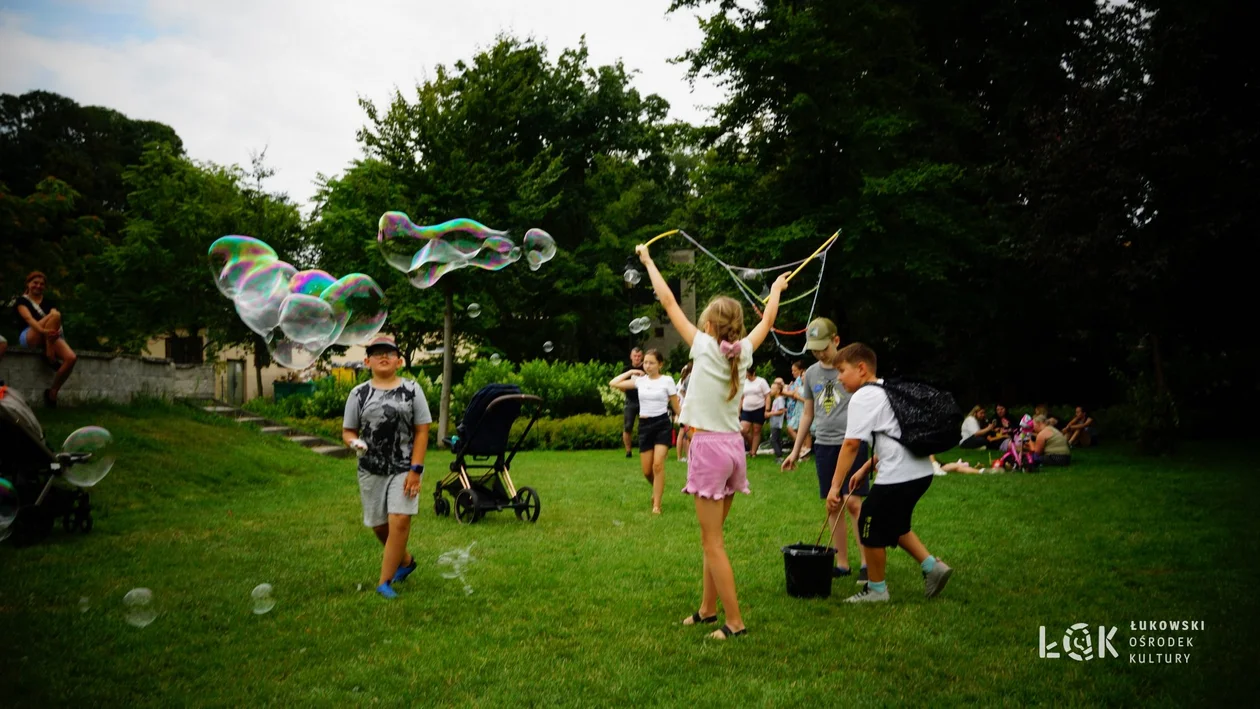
(625, 380)
(759, 333)
(677, 318)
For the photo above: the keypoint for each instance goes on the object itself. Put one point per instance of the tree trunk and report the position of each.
(1158, 360)
(448, 364)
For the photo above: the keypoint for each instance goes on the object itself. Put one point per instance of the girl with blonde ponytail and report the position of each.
(716, 468)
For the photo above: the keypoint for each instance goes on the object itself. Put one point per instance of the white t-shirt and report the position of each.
(706, 406)
(870, 413)
(654, 394)
(755, 392)
(970, 428)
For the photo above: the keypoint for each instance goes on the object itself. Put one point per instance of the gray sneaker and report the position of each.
(866, 595)
(934, 581)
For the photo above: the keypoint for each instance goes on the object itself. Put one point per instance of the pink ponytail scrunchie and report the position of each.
(729, 350)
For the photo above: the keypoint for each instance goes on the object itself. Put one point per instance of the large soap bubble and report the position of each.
(92, 448)
(426, 253)
(298, 313)
(263, 600)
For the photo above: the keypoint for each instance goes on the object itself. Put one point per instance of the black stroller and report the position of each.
(32, 469)
(482, 436)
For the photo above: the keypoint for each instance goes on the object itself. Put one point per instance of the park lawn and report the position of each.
(582, 608)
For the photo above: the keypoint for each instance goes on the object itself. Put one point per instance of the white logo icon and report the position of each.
(1079, 644)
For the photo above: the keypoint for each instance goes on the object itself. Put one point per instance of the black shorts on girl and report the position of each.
(655, 431)
(754, 416)
(886, 511)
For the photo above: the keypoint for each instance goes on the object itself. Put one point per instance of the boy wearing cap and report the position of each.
(827, 406)
(387, 424)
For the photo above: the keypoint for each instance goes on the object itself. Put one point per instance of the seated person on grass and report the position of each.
(1050, 447)
(1080, 430)
(978, 432)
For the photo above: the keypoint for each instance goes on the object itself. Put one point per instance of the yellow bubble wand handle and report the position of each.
(817, 251)
(658, 237)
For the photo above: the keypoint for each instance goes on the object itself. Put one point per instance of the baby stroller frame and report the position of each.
(483, 435)
(33, 468)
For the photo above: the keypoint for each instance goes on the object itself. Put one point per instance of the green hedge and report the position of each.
(581, 432)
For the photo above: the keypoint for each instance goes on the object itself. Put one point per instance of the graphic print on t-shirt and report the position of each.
(388, 429)
(828, 396)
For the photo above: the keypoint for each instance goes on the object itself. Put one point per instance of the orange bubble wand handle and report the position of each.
(817, 251)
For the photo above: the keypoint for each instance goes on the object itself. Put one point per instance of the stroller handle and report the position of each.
(512, 397)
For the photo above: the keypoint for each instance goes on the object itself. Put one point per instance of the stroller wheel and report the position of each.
(466, 510)
(527, 504)
(441, 507)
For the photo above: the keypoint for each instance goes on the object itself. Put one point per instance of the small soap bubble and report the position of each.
(547, 346)
(632, 276)
(84, 604)
(474, 310)
(495, 359)
(263, 602)
(138, 605)
(92, 451)
(617, 523)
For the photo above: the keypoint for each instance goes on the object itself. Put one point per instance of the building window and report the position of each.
(185, 350)
(660, 331)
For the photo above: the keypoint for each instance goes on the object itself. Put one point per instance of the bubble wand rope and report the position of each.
(830, 240)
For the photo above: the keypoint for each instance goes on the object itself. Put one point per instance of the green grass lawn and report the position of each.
(582, 608)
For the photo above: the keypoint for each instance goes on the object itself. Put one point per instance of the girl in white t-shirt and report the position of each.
(657, 394)
(716, 468)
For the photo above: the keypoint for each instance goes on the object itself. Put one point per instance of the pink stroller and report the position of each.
(1014, 457)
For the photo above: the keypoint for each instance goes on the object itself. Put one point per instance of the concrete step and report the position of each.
(334, 451)
(218, 409)
(308, 441)
(279, 430)
(250, 419)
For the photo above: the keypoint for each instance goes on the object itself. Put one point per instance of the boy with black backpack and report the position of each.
(903, 423)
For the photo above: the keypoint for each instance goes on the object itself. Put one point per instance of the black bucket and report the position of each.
(808, 570)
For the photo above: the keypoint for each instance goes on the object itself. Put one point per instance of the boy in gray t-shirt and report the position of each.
(387, 422)
(826, 405)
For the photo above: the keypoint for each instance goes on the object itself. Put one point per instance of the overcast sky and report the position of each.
(235, 76)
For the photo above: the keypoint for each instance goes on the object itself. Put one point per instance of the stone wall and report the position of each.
(98, 375)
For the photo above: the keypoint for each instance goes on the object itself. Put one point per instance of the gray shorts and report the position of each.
(383, 496)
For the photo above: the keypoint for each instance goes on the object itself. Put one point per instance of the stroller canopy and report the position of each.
(485, 431)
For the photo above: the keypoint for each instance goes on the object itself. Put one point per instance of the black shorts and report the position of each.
(825, 458)
(655, 431)
(886, 511)
(754, 416)
(632, 415)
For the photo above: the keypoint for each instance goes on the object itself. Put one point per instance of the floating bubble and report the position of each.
(91, 449)
(749, 274)
(539, 248)
(617, 523)
(138, 605)
(263, 602)
(426, 253)
(473, 310)
(632, 276)
(458, 560)
(495, 358)
(640, 324)
(84, 604)
(299, 314)
(547, 346)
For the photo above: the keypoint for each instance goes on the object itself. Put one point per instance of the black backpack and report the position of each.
(928, 416)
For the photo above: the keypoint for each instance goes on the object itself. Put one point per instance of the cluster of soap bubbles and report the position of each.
(298, 313)
(8, 508)
(458, 560)
(640, 324)
(426, 253)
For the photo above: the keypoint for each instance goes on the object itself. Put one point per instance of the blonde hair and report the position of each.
(975, 410)
(726, 316)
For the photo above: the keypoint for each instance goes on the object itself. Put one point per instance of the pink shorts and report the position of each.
(716, 467)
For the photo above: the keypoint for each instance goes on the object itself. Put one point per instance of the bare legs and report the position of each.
(653, 465)
(719, 579)
(394, 536)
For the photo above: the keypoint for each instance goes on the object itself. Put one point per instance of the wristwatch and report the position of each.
(418, 468)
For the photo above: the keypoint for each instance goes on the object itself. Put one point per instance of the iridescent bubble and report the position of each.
(640, 324)
(632, 276)
(8, 506)
(495, 358)
(547, 346)
(263, 602)
(426, 253)
(540, 248)
(299, 314)
(138, 607)
(91, 449)
(473, 310)
(358, 304)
